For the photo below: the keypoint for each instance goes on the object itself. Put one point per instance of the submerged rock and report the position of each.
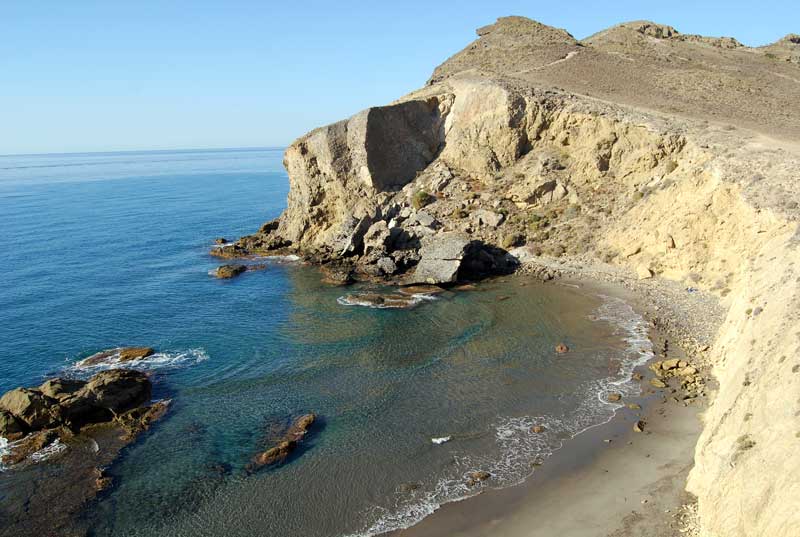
(285, 445)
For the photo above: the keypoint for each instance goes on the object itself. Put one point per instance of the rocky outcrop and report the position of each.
(74, 403)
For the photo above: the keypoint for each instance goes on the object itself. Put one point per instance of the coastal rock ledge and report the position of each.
(647, 153)
(61, 435)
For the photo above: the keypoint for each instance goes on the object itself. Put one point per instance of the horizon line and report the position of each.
(123, 151)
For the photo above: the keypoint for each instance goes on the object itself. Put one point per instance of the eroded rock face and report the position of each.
(338, 173)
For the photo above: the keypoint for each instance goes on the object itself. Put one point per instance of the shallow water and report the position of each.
(111, 249)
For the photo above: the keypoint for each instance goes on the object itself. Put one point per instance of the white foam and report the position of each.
(279, 259)
(158, 360)
(4, 450)
(520, 448)
(48, 451)
(413, 300)
(440, 440)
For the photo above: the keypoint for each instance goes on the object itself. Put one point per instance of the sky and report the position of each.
(102, 76)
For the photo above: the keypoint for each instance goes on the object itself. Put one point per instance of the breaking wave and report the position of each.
(156, 361)
(399, 302)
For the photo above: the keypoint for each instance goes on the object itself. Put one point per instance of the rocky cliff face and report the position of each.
(631, 148)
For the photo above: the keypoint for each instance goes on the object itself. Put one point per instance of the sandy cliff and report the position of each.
(673, 156)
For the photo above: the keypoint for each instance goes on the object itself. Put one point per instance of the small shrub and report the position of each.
(459, 213)
(512, 240)
(421, 199)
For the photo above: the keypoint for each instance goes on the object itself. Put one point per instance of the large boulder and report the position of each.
(440, 258)
(117, 390)
(29, 406)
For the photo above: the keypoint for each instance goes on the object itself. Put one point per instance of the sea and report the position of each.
(104, 250)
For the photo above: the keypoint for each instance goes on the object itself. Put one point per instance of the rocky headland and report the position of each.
(663, 161)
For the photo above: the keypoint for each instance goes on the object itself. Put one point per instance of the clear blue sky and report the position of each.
(117, 75)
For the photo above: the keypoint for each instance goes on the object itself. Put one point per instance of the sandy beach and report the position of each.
(630, 486)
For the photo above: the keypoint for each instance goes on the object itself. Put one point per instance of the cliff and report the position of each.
(668, 155)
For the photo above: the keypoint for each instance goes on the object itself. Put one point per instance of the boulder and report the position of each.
(670, 364)
(643, 272)
(537, 191)
(424, 219)
(229, 271)
(440, 258)
(134, 353)
(29, 406)
(484, 217)
(615, 397)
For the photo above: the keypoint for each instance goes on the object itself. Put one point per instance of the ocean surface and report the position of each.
(111, 249)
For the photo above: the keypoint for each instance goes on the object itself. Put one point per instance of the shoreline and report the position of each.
(608, 479)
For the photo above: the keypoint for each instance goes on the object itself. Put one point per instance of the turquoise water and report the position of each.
(107, 250)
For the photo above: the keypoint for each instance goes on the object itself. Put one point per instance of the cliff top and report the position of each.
(646, 65)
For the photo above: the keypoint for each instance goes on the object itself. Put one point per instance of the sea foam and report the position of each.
(158, 360)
